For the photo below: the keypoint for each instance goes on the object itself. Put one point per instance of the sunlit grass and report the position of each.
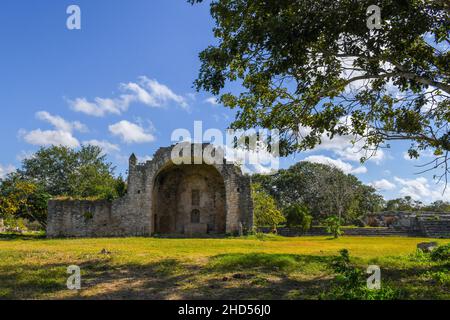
(247, 267)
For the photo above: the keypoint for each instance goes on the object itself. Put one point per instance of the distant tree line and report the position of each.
(409, 204)
(316, 193)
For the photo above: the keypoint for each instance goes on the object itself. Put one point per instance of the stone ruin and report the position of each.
(163, 198)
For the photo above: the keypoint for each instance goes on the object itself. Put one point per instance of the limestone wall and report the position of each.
(72, 218)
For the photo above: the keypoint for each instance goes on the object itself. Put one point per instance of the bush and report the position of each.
(441, 253)
(419, 256)
(298, 215)
(333, 225)
(441, 277)
(350, 283)
(15, 224)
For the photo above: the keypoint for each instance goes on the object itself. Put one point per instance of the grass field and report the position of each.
(230, 268)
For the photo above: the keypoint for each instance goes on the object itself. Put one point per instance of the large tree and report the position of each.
(313, 68)
(324, 189)
(63, 171)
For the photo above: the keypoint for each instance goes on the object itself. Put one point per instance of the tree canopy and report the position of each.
(312, 68)
(63, 171)
(324, 189)
(265, 209)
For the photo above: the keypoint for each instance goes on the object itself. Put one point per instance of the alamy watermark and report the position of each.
(74, 281)
(374, 280)
(73, 22)
(254, 148)
(374, 17)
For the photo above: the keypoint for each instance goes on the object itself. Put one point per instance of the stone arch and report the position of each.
(181, 190)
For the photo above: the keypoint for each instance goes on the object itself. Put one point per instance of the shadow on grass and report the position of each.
(25, 281)
(265, 262)
(225, 276)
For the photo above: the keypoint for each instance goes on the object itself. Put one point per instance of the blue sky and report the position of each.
(124, 81)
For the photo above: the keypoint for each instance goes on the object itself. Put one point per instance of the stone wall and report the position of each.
(137, 213)
(321, 231)
(408, 224)
(79, 218)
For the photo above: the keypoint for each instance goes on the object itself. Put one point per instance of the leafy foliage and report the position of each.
(351, 283)
(23, 199)
(325, 190)
(265, 209)
(57, 172)
(441, 253)
(297, 215)
(312, 68)
(333, 225)
(62, 171)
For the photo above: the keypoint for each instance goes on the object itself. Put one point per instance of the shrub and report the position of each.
(297, 215)
(88, 216)
(441, 277)
(419, 256)
(441, 253)
(351, 283)
(333, 225)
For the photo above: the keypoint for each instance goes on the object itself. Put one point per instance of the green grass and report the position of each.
(32, 267)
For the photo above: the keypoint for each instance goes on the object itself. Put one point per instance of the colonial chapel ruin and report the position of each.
(163, 198)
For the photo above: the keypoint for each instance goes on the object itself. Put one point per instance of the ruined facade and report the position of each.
(163, 198)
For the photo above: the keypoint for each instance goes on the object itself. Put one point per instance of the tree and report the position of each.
(297, 215)
(313, 69)
(265, 209)
(23, 199)
(62, 171)
(406, 203)
(324, 189)
(438, 206)
(121, 186)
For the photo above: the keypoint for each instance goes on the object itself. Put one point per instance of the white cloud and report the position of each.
(407, 157)
(106, 146)
(144, 158)
(161, 93)
(50, 137)
(383, 185)
(422, 154)
(101, 106)
(61, 124)
(346, 147)
(420, 189)
(24, 155)
(4, 170)
(212, 100)
(131, 132)
(61, 136)
(146, 91)
(338, 163)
